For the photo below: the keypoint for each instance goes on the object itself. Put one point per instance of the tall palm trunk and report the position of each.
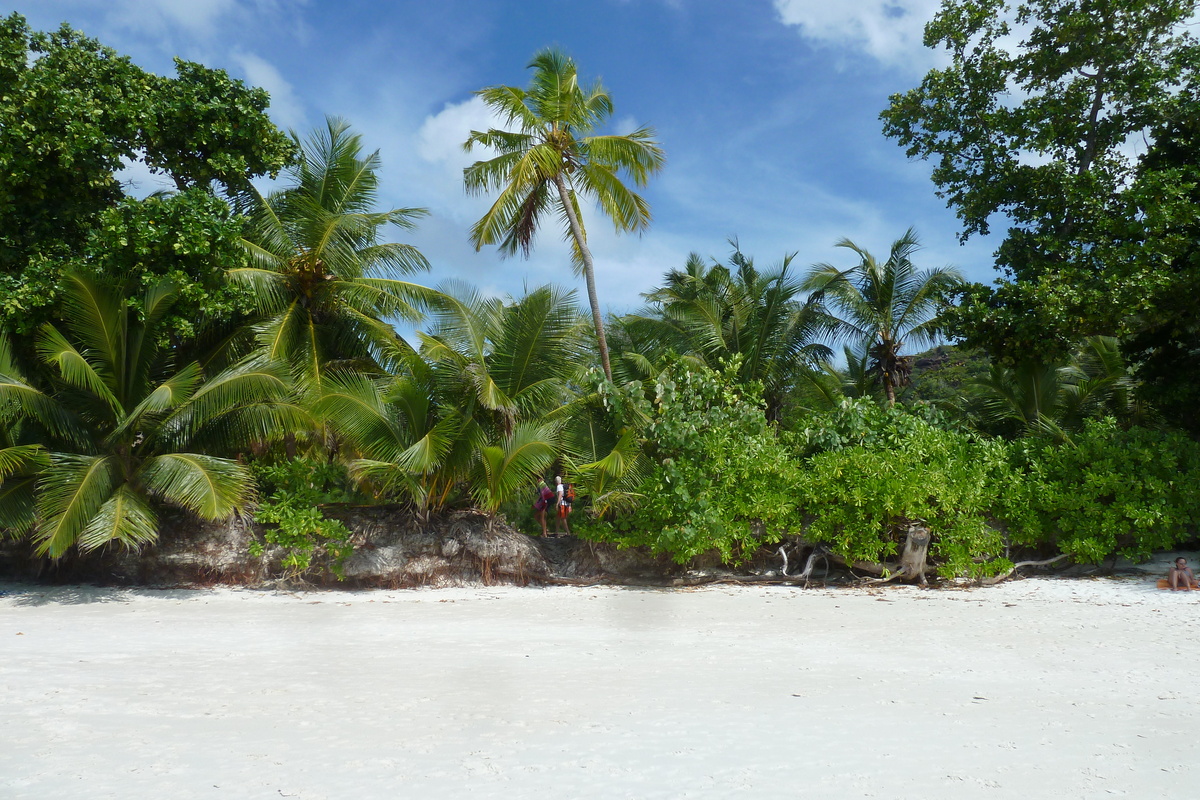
(588, 270)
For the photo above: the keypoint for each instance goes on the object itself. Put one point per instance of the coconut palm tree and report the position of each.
(720, 311)
(884, 306)
(121, 427)
(21, 457)
(1054, 399)
(471, 408)
(551, 160)
(321, 275)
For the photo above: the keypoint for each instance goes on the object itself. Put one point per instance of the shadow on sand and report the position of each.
(32, 595)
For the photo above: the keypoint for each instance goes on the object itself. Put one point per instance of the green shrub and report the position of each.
(857, 499)
(717, 477)
(861, 422)
(292, 493)
(1106, 492)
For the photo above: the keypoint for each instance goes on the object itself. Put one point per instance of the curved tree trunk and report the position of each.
(588, 270)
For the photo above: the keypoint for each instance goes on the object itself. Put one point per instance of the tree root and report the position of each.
(817, 552)
(992, 581)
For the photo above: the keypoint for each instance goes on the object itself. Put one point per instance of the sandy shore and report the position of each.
(1032, 689)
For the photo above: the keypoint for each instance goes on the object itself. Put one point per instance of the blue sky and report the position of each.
(768, 112)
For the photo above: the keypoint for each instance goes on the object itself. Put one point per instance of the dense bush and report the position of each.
(879, 469)
(861, 422)
(717, 479)
(1107, 492)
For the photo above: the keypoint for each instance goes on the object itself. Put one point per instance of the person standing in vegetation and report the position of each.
(543, 501)
(565, 499)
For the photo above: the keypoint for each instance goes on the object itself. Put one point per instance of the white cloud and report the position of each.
(198, 17)
(187, 19)
(626, 126)
(441, 136)
(438, 145)
(889, 31)
(137, 179)
(286, 108)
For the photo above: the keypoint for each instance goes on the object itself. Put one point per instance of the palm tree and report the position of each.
(886, 306)
(20, 460)
(319, 272)
(827, 387)
(551, 160)
(1054, 399)
(717, 312)
(122, 427)
(472, 408)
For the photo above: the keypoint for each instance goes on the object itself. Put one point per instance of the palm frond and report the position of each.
(69, 493)
(125, 517)
(18, 506)
(54, 349)
(508, 466)
(208, 486)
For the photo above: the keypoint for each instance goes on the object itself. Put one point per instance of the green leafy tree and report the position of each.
(1032, 122)
(554, 158)
(122, 427)
(1110, 492)
(72, 114)
(1163, 347)
(867, 496)
(320, 275)
(882, 307)
(941, 374)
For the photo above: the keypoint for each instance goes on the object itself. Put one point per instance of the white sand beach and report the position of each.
(1037, 688)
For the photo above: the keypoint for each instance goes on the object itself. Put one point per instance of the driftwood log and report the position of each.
(992, 581)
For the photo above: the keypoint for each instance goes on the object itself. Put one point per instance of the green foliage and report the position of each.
(940, 375)
(72, 113)
(188, 238)
(1055, 399)
(714, 312)
(1106, 491)
(471, 409)
(1030, 122)
(1112, 491)
(320, 275)
(859, 498)
(603, 449)
(718, 478)
(125, 427)
(554, 159)
(859, 422)
(879, 307)
(291, 495)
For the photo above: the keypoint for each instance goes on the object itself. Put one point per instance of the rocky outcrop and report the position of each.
(393, 548)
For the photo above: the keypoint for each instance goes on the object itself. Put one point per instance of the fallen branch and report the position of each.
(992, 581)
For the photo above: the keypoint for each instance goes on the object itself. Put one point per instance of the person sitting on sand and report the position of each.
(1181, 576)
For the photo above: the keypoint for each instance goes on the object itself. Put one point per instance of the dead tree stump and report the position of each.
(916, 551)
